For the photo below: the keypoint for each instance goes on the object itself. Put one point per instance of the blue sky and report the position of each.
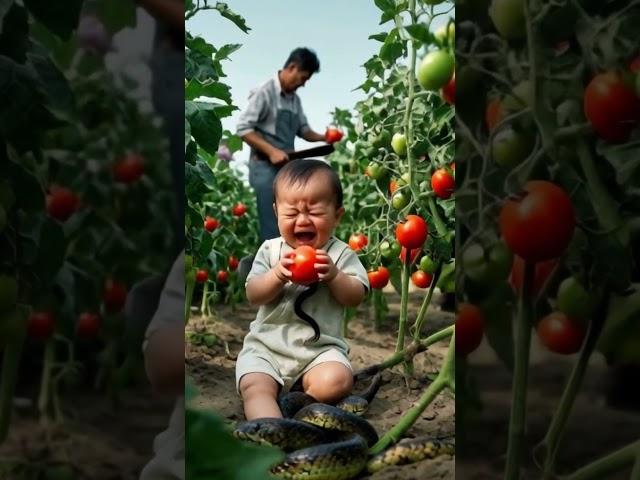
(337, 30)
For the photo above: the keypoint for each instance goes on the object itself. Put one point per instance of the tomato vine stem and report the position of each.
(517, 420)
(445, 379)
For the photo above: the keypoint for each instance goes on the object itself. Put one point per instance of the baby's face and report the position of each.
(307, 214)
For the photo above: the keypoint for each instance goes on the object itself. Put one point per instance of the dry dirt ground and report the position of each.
(95, 441)
(213, 372)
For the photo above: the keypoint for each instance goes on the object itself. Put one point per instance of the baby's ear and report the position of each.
(339, 214)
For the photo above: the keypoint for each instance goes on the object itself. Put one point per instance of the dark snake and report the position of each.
(297, 308)
(323, 442)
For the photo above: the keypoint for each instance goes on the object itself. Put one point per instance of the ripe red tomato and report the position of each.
(413, 232)
(469, 328)
(357, 241)
(239, 209)
(541, 274)
(88, 325)
(538, 225)
(611, 107)
(41, 325)
(114, 295)
(233, 263)
(449, 91)
(129, 169)
(379, 278)
(62, 203)
(332, 135)
(443, 183)
(560, 334)
(210, 224)
(494, 113)
(421, 279)
(202, 276)
(303, 269)
(222, 276)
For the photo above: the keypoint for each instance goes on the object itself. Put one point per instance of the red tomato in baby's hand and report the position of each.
(303, 269)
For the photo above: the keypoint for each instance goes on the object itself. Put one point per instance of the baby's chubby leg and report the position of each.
(259, 395)
(328, 382)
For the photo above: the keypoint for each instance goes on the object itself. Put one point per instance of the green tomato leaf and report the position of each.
(227, 13)
(205, 124)
(420, 32)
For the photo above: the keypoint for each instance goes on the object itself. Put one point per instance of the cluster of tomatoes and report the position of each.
(210, 225)
(536, 227)
(62, 202)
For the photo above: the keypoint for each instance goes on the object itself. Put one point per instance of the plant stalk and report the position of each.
(517, 420)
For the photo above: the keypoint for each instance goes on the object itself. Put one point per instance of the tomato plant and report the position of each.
(88, 326)
(129, 169)
(413, 232)
(443, 183)
(449, 91)
(421, 279)
(41, 325)
(469, 328)
(239, 209)
(357, 241)
(435, 70)
(210, 224)
(114, 295)
(378, 278)
(611, 106)
(538, 224)
(560, 334)
(547, 197)
(202, 276)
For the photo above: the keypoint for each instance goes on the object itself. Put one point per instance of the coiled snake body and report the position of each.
(324, 442)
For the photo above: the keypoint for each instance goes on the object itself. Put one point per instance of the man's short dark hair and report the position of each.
(305, 59)
(299, 171)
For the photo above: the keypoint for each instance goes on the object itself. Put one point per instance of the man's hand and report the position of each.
(325, 267)
(277, 156)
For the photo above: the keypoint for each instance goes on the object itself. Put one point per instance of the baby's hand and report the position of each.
(325, 267)
(281, 270)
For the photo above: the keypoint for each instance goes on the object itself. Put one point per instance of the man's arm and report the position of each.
(276, 156)
(311, 136)
(167, 11)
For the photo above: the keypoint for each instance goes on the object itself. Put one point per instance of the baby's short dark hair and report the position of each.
(299, 172)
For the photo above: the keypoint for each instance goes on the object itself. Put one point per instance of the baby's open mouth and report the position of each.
(305, 236)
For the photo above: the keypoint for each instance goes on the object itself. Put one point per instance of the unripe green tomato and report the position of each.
(510, 148)
(399, 201)
(399, 144)
(427, 264)
(574, 300)
(521, 97)
(508, 18)
(383, 139)
(390, 249)
(435, 70)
